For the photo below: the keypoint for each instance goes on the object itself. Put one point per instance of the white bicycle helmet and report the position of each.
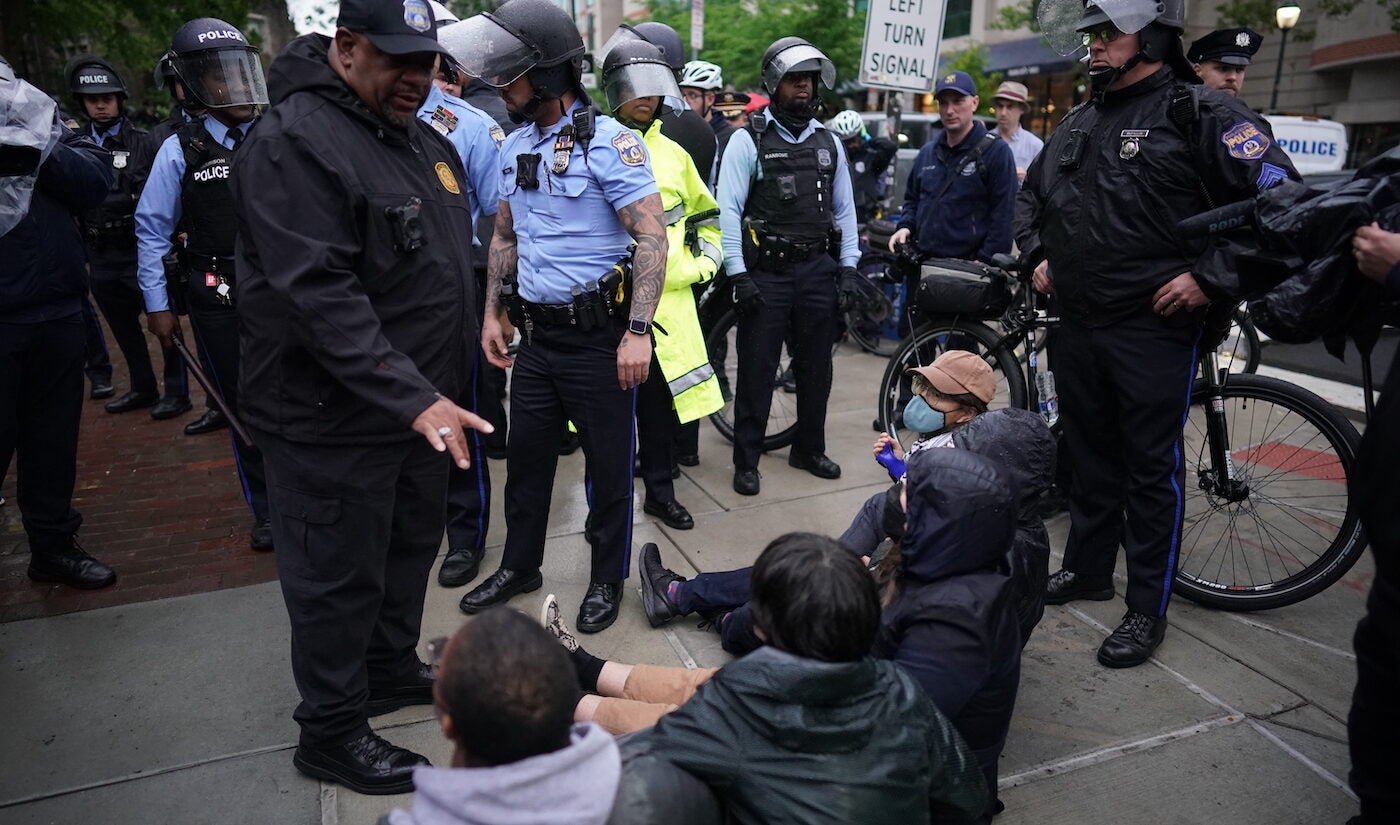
(700, 74)
(847, 124)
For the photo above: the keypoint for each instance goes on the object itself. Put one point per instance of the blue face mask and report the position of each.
(920, 417)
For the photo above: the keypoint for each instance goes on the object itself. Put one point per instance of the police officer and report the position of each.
(576, 194)
(961, 191)
(1221, 57)
(867, 159)
(1101, 202)
(734, 107)
(681, 386)
(189, 188)
(476, 137)
(355, 288)
(109, 233)
(787, 217)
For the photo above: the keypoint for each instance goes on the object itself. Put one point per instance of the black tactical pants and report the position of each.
(118, 295)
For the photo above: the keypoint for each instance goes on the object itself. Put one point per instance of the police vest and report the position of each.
(206, 196)
(793, 190)
(110, 228)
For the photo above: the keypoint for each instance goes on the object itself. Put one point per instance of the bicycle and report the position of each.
(1268, 521)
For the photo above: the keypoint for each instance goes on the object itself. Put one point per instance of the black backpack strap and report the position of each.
(1184, 112)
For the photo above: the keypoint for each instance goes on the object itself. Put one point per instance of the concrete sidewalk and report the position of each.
(179, 710)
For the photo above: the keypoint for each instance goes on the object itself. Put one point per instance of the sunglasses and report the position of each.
(1107, 35)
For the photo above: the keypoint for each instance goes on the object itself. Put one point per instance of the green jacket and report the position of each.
(782, 739)
(680, 345)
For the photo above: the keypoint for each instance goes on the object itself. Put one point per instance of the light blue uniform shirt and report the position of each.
(100, 138)
(160, 208)
(567, 231)
(476, 137)
(1024, 147)
(737, 171)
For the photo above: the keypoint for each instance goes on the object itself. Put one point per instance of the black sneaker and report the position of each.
(1133, 641)
(656, 582)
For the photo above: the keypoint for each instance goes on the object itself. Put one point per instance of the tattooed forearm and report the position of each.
(642, 220)
(502, 259)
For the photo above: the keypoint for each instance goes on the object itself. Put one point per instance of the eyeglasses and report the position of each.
(691, 94)
(921, 385)
(1107, 35)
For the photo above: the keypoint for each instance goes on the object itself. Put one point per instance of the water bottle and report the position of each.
(1049, 400)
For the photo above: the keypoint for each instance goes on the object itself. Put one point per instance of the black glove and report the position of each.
(747, 300)
(847, 289)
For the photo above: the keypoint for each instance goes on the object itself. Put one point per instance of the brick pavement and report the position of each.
(164, 509)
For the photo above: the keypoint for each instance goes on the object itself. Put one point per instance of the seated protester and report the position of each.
(808, 729)
(948, 617)
(505, 697)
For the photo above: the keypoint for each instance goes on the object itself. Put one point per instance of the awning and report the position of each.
(1026, 58)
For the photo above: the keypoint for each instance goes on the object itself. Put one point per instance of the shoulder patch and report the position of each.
(498, 134)
(629, 148)
(1245, 141)
(446, 178)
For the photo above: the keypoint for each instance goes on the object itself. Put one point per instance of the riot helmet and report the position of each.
(533, 38)
(214, 63)
(667, 40)
(89, 74)
(1069, 27)
(793, 54)
(636, 69)
(442, 15)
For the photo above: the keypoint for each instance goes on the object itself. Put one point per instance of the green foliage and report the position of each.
(1259, 14)
(1017, 16)
(39, 36)
(973, 60)
(738, 31)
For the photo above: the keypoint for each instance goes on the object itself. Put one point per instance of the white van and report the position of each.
(1312, 143)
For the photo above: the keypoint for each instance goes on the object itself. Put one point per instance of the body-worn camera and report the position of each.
(407, 224)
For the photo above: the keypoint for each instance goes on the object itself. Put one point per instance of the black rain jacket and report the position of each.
(952, 625)
(348, 333)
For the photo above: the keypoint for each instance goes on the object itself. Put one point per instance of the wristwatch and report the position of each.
(638, 326)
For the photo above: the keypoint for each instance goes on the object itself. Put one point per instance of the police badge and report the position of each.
(824, 157)
(1132, 143)
(119, 159)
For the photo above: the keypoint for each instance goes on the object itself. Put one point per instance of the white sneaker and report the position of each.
(553, 620)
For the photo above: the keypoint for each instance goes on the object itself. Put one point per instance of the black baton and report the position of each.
(209, 388)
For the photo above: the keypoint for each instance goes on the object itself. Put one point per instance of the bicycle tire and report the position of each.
(782, 415)
(1289, 445)
(1241, 350)
(930, 340)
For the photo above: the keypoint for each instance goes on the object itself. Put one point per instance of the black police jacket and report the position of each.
(109, 231)
(1105, 195)
(355, 286)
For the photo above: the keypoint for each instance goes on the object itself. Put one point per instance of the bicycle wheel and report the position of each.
(721, 344)
(1240, 351)
(931, 340)
(1291, 530)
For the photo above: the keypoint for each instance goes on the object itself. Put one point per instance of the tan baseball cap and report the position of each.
(1013, 91)
(957, 372)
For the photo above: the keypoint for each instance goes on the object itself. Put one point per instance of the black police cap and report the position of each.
(1234, 47)
(393, 26)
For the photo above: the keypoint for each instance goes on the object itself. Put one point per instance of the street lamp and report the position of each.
(1286, 16)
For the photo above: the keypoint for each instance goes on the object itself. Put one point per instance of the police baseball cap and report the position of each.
(957, 372)
(960, 82)
(393, 26)
(1234, 47)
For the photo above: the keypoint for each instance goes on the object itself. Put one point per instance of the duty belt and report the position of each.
(551, 315)
(207, 263)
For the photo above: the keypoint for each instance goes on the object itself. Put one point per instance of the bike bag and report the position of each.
(949, 286)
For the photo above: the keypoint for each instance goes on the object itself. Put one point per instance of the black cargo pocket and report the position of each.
(319, 549)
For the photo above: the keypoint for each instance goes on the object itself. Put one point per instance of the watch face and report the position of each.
(638, 326)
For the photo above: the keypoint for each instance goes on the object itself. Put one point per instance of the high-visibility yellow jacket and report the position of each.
(680, 345)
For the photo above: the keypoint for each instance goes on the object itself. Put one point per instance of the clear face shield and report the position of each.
(224, 77)
(800, 58)
(623, 34)
(1066, 23)
(487, 50)
(634, 80)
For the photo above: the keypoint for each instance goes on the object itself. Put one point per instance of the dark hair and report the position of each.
(508, 687)
(813, 598)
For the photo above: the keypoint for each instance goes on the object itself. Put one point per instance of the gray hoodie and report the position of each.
(572, 786)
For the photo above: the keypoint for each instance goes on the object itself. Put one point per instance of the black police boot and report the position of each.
(72, 566)
(460, 566)
(568, 445)
(102, 388)
(1133, 641)
(500, 587)
(688, 459)
(656, 584)
(816, 464)
(600, 606)
(672, 513)
(415, 690)
(260, 537)
(368, 765)
(209, 422)
(1064, 587)
(132, 401)
(746, 482)
(171, 407)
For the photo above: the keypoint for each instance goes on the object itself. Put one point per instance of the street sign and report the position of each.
(902, 38)
(697, 26)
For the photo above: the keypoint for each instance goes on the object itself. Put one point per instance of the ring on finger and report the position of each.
(444, 432)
